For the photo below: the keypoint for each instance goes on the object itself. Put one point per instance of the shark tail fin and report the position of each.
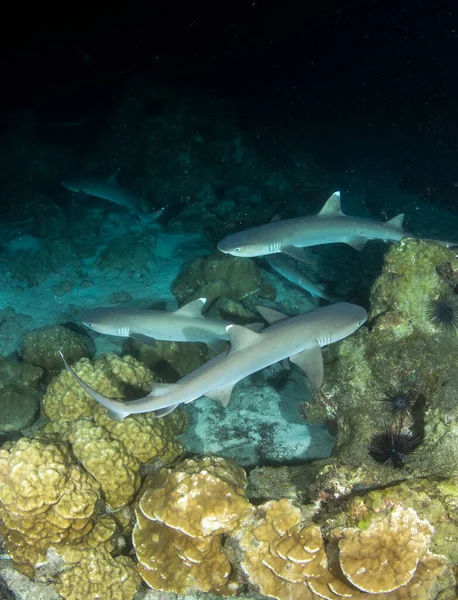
(396, 222)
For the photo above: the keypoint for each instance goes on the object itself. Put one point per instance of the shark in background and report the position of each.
(109, 189)
(287, 268)
(298, 338)
(329, 226)
(187, 324)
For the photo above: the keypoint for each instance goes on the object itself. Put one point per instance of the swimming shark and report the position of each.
(187, 324)
(329, 226)
(109, 189)
(298, 338)
(290, 271)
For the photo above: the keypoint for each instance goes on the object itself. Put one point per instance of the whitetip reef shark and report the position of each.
(286, 267)
(109, 189)
(187, 324)
(298, 338)
(329, 226)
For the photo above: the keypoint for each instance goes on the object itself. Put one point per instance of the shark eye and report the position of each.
(236, 249)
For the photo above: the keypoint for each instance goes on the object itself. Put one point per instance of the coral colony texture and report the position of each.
(333, 475)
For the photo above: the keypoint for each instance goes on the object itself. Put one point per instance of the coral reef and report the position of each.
(404, 349)
(97, 440)
(45, 499)
(180, 519)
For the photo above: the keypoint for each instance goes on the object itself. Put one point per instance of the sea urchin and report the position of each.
(399, 403)
(442, 310)
(392, 447)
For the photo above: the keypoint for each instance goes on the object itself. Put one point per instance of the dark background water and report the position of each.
(368, 83)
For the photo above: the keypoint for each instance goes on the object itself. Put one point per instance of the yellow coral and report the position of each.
(200, 497)
(280, 552)
(390, 560)
(107, 460)
(174, 562)
(99, 575)
(111, 450)
(111, 375)
(45, 500)
(145, 436)
(384, 557)
(33, 475)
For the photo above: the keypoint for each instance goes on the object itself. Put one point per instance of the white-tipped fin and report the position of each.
(241, 337)
(271, 315)
(192, 309)
(396, 222)
(221, 394)
(311, 362)
(332, 207)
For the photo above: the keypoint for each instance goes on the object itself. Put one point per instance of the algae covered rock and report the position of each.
(401, 349)
(235, 283)
(41, 347)
(18, 407)
(13, 371)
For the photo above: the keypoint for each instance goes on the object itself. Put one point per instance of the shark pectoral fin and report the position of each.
(241, 337)
(332, 206)
(396, 222)
(221, 394)
(143, 339)
(357, 243)
(271, 315)
(285, 364)
(311, 362)
(115, 415)
(299, 254)
(217, 346)
(193, 309)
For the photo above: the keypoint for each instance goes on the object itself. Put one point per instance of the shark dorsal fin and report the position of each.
(192, 309)
(114, 177)
(396, 222)
(332, 206)
(275, 218)
(241, 337)
(270, 315)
